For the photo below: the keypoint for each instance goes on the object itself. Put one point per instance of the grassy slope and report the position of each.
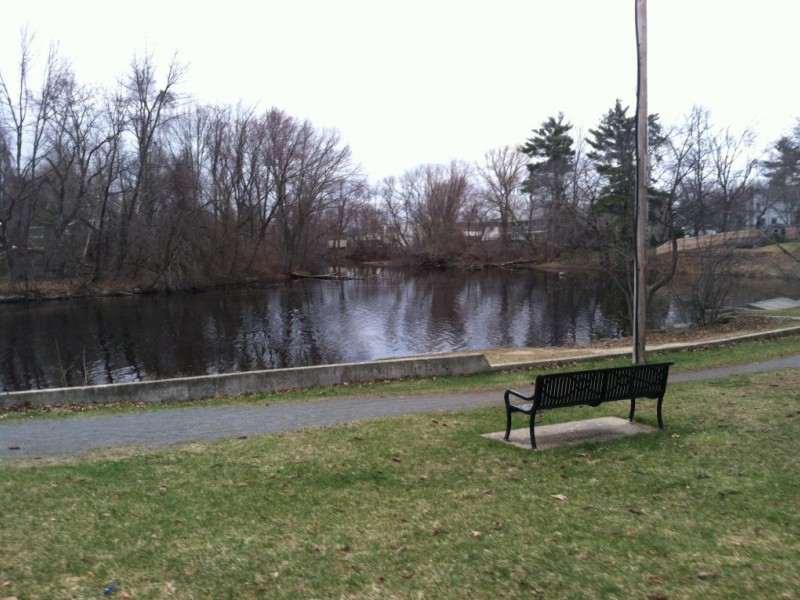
(422, 506)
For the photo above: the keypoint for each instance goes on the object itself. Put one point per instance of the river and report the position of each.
(376, 313)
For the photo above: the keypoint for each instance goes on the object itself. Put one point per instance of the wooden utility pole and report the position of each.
(642, 178)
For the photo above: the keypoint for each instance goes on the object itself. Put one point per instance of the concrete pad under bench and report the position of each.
(573, 432)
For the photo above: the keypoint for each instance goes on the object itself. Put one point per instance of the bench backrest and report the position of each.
(600, 385)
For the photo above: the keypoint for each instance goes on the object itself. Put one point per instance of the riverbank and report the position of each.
(391, 315)
(774, 261)
(39, 291)
(739, 324)
(345, 376)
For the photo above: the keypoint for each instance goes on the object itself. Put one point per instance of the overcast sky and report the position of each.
(410, 82)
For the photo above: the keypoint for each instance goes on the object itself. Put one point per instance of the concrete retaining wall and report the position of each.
(262, 382)
(253, 382)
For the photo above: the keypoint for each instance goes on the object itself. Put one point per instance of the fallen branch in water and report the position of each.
(294, 275)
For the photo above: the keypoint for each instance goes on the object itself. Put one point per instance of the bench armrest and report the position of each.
(516, 394)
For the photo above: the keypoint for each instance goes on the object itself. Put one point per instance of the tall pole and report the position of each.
(642, 177)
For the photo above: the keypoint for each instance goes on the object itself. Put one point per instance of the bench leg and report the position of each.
(533, 433)
(633, 409)
(508, 424)
(658, 413)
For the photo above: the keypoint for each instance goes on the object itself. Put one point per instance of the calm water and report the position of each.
(380, 314)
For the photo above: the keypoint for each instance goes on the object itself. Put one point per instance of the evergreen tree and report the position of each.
(613, 152)
(551, 149)
(782, 173)
(549, 171)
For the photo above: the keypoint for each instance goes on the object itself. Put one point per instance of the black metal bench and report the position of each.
(591, 388)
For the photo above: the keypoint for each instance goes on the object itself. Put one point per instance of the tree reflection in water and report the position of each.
(379, 313)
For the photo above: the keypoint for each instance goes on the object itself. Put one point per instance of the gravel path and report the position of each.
(55, 438)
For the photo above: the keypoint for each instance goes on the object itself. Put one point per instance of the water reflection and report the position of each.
(379, 313)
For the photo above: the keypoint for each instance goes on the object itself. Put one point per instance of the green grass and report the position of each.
(422, 506)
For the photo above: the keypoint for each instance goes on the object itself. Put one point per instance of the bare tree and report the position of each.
(695, 211)
(706, 178)
(502, 174)
(734, 168)
(76, 138)
(672, 163)
(586, 185)
(705, 300)
(149, 108)
(339, 220)
(240, 185)
(106, 189)
(25, 115)
(424, 207)
(396, 196)
(435, 209)
(309, 169)
(369, 225)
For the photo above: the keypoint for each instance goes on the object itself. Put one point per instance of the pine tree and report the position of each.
(553, 157)
(782, 173)
(613, 152)
(552, 145)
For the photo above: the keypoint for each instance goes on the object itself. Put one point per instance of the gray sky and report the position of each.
(411, 82)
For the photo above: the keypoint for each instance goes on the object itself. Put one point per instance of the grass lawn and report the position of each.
(422, 506)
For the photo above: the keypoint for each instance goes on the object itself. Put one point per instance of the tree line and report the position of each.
(142, 185)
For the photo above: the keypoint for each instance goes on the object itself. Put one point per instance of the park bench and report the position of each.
(591, 388)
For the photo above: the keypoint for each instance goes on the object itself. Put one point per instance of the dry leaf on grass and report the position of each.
(707, 575)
